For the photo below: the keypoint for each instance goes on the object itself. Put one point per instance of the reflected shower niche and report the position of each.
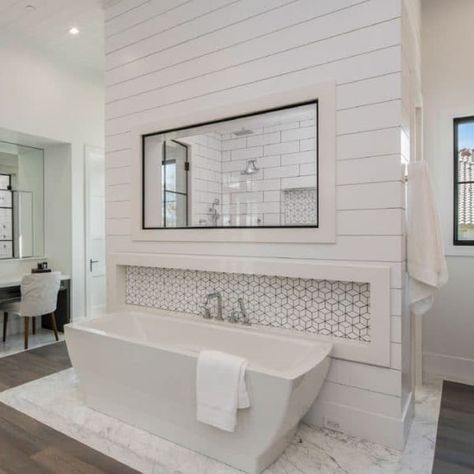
(254, 170)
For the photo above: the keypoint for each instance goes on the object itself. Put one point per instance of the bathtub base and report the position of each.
(151, 384)
(273, 453)
(250, 463)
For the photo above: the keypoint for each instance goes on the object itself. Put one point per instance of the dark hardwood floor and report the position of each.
(454, 452)
(26, 366)
(28, 446)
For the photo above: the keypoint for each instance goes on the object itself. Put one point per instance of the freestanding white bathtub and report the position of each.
(141, 368)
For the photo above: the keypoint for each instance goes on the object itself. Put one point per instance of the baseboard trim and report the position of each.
(457, 369)
(381, 429)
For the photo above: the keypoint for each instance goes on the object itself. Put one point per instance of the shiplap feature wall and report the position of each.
(174, 57)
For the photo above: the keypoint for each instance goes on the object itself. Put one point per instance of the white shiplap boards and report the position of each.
(173, 57)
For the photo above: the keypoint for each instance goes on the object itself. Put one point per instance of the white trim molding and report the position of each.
(442, 366)
(390, 431)
(376, 352)
(325, 94)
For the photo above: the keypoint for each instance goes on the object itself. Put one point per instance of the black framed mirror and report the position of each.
(254, 170)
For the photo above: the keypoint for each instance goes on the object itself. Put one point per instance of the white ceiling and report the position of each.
(46, 27)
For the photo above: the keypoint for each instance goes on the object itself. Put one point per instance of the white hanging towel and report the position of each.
(425, 253)
(220, 388)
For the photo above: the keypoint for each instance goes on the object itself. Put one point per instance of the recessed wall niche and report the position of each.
(328, 308)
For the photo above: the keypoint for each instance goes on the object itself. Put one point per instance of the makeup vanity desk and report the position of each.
(10, 289)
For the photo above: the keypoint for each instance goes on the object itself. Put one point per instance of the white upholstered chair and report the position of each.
(39, 296)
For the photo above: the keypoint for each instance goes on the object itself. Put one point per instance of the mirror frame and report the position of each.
(325, 232)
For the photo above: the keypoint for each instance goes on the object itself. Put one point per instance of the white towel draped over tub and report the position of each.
(220, 388)
(425, 253)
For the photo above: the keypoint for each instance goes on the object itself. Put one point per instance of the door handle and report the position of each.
(91, 263)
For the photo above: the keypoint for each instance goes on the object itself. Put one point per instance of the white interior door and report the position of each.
(95, 230)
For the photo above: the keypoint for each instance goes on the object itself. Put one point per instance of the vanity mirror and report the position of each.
(21, 201)
(253, 170)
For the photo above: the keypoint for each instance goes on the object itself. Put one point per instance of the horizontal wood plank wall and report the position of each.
(173, 56)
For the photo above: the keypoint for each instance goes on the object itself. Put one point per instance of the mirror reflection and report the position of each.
(21, 201)
(257, 170)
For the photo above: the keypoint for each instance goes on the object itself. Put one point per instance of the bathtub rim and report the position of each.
(316, 355)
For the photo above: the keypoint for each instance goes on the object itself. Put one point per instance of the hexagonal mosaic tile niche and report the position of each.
(330, 308)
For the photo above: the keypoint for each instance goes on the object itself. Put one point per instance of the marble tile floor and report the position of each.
(56, 401)
(15, 342)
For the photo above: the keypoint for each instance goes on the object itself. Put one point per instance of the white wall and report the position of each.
(411, 99)
(219, 52)
(39, 97)
(448, 71)
(58, 205)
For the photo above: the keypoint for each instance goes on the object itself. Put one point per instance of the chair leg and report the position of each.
(55, 328)
(5, 321)
(27, 330)
(33, 321)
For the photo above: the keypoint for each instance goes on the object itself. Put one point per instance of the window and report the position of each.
(464, 181)
(6, 217)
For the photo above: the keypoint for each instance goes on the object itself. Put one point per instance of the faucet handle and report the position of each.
(243, 312)
(234, 317)
(207, 313)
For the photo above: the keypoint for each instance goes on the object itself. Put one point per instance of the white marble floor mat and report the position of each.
(57, 402)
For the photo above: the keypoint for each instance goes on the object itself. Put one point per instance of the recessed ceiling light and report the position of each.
(74, 31)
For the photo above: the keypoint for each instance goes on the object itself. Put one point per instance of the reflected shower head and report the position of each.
(251, 168)
(242, 132)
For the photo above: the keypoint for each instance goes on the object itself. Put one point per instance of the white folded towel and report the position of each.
(220, 388)
(425, 254)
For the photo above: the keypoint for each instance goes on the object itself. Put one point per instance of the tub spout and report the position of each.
(207, 312)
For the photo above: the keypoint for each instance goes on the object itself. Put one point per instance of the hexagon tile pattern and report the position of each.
(328, 308)
(300, 206)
